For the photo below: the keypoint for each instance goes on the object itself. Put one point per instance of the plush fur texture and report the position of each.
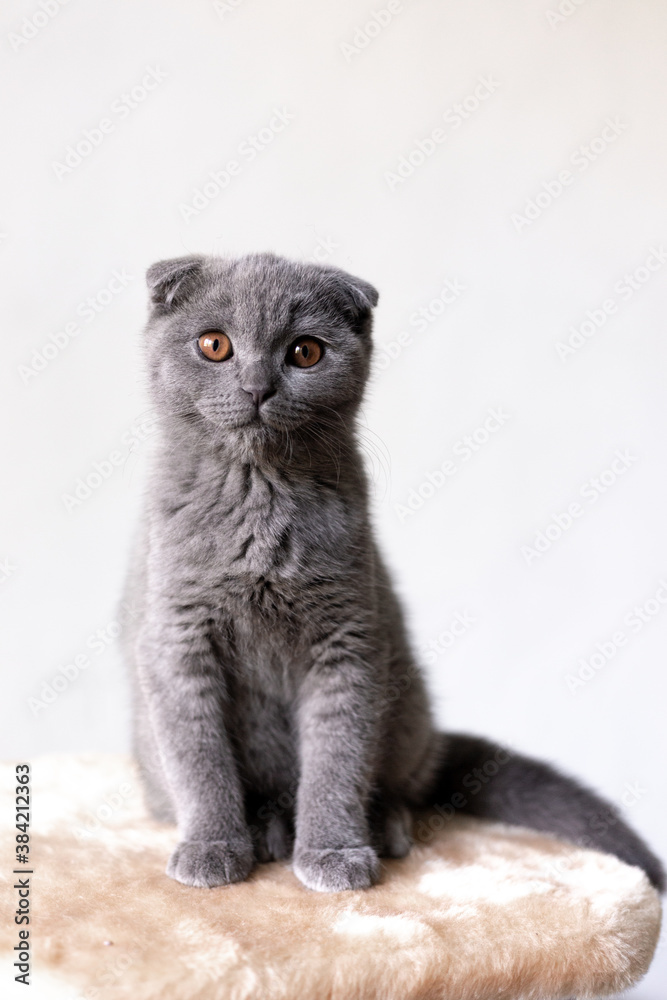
(479, 911)
(279, 708)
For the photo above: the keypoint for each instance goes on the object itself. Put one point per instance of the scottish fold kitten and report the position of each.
(279, 709)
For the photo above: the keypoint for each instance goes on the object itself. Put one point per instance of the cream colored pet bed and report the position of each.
(478, 911)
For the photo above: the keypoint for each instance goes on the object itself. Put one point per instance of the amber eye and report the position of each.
(305, 352)
(215, 346)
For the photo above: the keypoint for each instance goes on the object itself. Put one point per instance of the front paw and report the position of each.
(206, 863)
(336, 870)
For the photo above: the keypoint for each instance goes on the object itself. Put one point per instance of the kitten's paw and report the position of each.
(206, 863)
(336, 870)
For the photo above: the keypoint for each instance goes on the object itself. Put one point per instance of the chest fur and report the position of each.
(254, 538)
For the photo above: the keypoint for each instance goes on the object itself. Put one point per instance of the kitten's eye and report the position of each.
(215, 346)
(305, 352)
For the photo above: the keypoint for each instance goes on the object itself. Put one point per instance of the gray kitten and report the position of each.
(279, 709)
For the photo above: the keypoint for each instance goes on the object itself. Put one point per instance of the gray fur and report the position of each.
(279, 709)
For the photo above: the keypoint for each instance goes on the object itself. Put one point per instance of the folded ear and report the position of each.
(354, 296)
(171, 281)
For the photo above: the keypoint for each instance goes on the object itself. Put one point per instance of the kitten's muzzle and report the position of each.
(259, 393)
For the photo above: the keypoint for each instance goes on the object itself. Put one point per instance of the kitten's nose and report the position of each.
(259, 393)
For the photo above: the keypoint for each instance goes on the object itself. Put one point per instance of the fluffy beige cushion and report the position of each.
(481, 911)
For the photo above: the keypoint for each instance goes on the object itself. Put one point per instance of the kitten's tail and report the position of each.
(483, 779)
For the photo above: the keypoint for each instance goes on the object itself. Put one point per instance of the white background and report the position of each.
(322, 186)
